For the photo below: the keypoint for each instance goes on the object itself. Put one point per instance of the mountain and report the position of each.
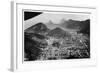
(58, 33)
(70, 24)
(34, 40)
(80, 26)
(85, 27)
(51, 25)
(37, 28)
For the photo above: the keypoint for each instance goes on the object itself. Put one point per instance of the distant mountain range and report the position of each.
(79, 26)
(41, 28)
(74, 24)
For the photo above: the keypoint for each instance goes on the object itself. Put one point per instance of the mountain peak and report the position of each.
(57, 33)
(37, 28)
(58, 29)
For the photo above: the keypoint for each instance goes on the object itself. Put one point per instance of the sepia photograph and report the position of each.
(56, 35)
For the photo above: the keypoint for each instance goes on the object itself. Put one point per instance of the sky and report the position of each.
(54, 17)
